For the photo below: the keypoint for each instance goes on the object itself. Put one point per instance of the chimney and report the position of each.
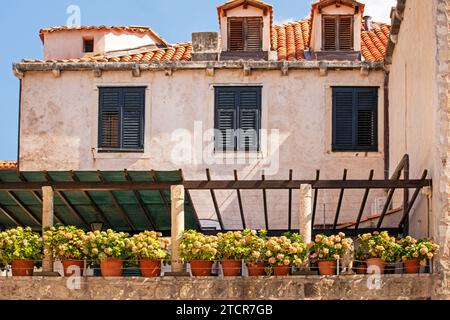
(205, 46)
(368, 23)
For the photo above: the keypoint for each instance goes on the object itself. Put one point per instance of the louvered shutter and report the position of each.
(236, 35)
(121, 118)
(345, 33)
(254, 34)
(329, 31)
(109, 118)
(225, 123)
(367, 117)
(133, 118)
(355, 119)
(249, 119)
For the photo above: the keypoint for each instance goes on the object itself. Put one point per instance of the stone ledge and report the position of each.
(267, 288)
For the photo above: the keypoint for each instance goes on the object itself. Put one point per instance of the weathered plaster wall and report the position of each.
(60, 119)
(419, 114)
(69, 44)
(393, 287)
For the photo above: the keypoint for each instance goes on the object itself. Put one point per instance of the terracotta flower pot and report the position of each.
(72, 263)
(231, 268)
(111, 267)
(411, 266)
(256, 269)
(281, 271)
(150, 268)
(376, 263)
(201, 268)
(360, 268)
(327, 268)
(22, 268)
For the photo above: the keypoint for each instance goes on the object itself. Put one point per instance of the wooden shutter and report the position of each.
(345, 33)
(249, 119)
(236, 35)
(355, 119)
(109, 118)
(225, 123)
(237, 118)
(254, 34)
(366, 100)
(133, 118)
(121, 118)
(329, 32)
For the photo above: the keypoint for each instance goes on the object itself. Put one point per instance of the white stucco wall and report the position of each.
(59, 132)
(69, 44)
(414, 117)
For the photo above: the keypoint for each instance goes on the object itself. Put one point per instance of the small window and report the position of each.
(337, 33)
(245, 34)
(237, 118)
(88, 45)
(121, 119)
(355, 119)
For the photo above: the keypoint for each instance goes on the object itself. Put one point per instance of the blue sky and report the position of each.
(175, 20)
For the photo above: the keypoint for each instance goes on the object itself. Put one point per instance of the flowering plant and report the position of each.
(255, 245)
(65, 243)
(100, 245)
(422, 249)
(197, 246)
(379, 245)
(330, 248)
(287, 250)
(149, 245)
(20, 244)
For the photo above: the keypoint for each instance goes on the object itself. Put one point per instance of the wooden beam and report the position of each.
(291, 173)
(91, 201)
(66, 202)
(411, 203)
(241, 208)
(341, 196)
(266, 214)
(117, 204)
(141, 203)
(364, 201)
(217, 185)
(161, 192)
(9, 215)
(316, 194)
(191, 203)
(22, 206)
(216, 205)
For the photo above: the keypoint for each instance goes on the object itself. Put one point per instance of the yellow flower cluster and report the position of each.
(197, 246)
(422, 249)
(149, 245)
(330, 248)
(285, 251)
(64, 243)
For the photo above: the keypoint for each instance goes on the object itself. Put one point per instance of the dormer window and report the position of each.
(88, 45)
(245, 34)
(337, 33)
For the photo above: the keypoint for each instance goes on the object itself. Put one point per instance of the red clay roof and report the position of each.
(8, 165)
(136, 29)
(291, 39)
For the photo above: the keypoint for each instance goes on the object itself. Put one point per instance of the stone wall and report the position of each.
(269, 288)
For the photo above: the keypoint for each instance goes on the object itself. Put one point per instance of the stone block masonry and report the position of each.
(393, 287)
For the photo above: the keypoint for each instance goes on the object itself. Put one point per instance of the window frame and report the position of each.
(236, 120)
(337, 18)
(85, 40)
(245, 33)
(121, 148)
(355, 147)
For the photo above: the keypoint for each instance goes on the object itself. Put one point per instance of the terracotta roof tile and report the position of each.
(8, 165)
(291, 39)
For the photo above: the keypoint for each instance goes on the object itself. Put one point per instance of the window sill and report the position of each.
(355, 154)
(120, 151)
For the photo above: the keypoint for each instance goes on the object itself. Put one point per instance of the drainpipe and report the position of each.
(386, 125)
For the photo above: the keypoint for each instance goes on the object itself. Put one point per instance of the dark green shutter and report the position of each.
(237, 118)
(121, 118)
(355, 119)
